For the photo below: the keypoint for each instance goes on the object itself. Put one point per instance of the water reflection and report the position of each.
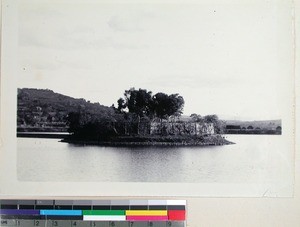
(252, 159)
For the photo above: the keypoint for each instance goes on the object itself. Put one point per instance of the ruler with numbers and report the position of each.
(93, 213)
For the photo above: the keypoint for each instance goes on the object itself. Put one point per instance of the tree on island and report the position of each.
(92, 126)
(143, 104)
(136, 101)
(165, 105)
(197, 118)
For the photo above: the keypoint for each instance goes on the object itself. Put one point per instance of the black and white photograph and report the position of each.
(155, 92)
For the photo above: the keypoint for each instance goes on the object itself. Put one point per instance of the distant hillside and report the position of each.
(45, 110)
(253, 127)
(268, 124)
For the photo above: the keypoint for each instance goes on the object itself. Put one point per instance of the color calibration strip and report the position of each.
(130, 211)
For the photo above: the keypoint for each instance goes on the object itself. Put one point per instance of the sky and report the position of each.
(225, 59)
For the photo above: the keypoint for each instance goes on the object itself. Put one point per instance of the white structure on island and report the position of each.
(181, 128)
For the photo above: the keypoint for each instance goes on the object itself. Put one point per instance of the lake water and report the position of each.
(253, 159)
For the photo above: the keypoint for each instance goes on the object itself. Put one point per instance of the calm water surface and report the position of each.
(253, 159)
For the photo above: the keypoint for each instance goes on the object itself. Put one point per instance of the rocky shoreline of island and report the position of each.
(163, 141)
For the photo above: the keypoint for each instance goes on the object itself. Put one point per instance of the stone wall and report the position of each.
(181, 128)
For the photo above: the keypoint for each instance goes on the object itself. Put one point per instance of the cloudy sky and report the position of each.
(228, 59)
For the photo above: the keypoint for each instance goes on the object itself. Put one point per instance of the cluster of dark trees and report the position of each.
(143, 104)
(85, 125)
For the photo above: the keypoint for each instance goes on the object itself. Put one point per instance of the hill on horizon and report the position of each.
(262, 124)
(44, 108)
